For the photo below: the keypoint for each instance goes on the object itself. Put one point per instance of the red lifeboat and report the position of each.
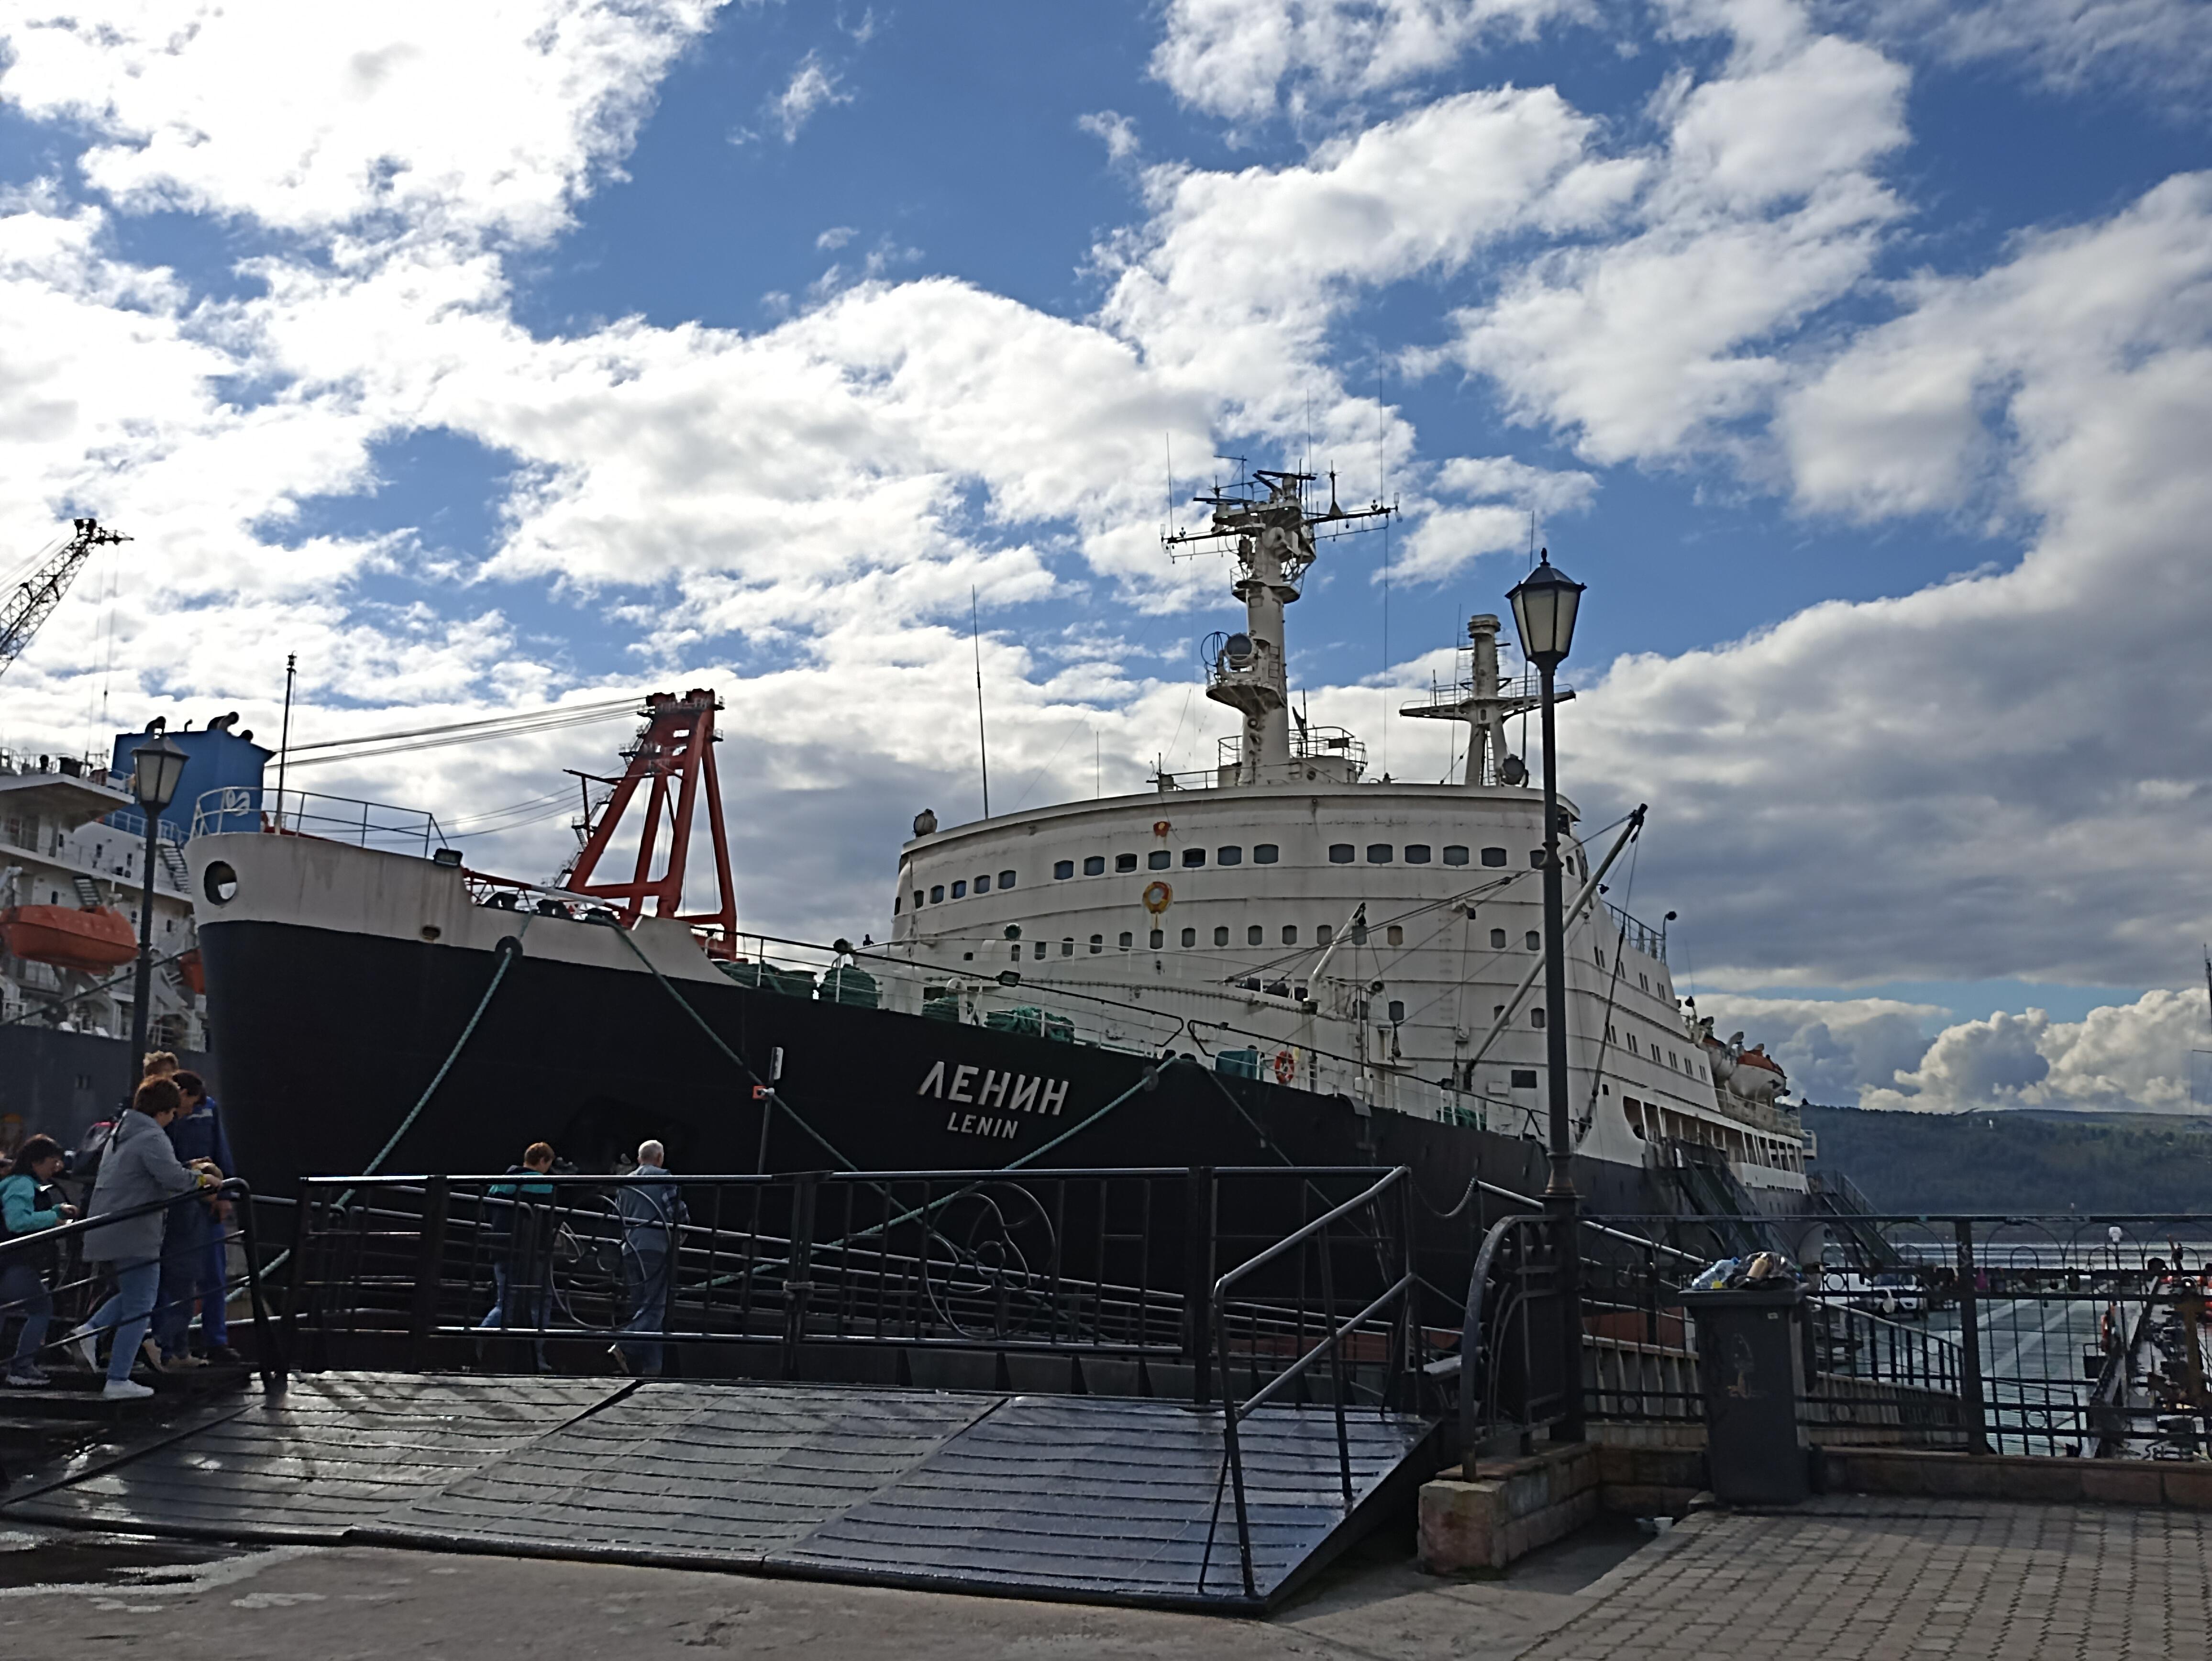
(194, 972)
(91, 939)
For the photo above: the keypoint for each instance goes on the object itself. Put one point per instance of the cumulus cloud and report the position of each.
(2124, 1056)
(1247, 59)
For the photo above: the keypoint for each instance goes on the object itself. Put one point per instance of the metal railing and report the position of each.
(1385, 1344)
(310, 814)
(73, 1286)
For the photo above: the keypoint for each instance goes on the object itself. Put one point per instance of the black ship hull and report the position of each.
(329, 1039)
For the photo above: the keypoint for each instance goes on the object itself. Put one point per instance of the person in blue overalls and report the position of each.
(193, 1250)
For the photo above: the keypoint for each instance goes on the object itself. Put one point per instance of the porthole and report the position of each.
(1190, 937)
(1325, 933)
(1535, 941)
(220, 882)
(1378, 853)
(1265, 853)
(1536, 1017)
(1067, 946)
(1125, 861)
(1221, 937)
(1417, 853)
(1289, 933)
(936, 895)
(1493, 857)
(1397, 1011)
(1256, 935)
(1157, 940)
(1193, 856)
(1341, 853)
(1535, 859)
(1127, 940)
(1094, 864)
(1498, 938)
(959, 890)
(1456, 854)
(1229, 856)
(1006, 879)
(983, 885)
(1062, 870)
(1097, 944)
(1158, 859)
(1395, 934)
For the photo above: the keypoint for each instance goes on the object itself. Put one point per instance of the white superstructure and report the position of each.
(1379, 940)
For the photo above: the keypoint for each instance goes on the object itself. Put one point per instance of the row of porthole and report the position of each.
(1254, 934)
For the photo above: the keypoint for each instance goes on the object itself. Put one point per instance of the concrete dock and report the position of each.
(1838, 1580)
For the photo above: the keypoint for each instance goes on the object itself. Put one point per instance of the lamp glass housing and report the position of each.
(1544, 606)
(157, 767)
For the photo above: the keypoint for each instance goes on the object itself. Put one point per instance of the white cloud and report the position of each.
(1832, 1049)
(487, 117)
(1245, 59)
(1116, 131)
(835, 237)
(814, 86)
(2124, 1056)
(2161, 45)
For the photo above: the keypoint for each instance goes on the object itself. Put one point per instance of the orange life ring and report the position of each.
(1161, 827)
(1157, 896)
(1286, 1066)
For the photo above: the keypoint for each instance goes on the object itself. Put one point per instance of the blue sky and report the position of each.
(559, 347)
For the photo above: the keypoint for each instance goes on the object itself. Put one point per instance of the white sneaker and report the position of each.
(126, 1389)
(86, 1340)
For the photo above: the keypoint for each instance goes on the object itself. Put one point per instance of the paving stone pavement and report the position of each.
(1868, 1579)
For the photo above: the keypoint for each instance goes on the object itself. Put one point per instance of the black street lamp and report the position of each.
(156, 767)
(1545, 603)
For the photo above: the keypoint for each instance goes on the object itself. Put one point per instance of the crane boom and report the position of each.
(34, 600)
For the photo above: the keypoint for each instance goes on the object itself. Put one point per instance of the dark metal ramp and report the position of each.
(1096, 1499)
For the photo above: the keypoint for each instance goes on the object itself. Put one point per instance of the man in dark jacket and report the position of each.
(193, 1250)
(652, 1213)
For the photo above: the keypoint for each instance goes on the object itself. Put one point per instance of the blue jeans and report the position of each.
(23, 1292)
(192, 1268)
(645, 1268)
(522, 1299)
(137, 1282)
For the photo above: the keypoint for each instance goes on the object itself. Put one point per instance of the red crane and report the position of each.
(674, 756)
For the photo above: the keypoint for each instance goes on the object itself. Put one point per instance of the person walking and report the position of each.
(651, 1212)
(138, 1168)
(23, 1270)
(519, 1236)
(192, 1258)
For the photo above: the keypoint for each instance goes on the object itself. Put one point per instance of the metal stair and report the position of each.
(173, 862)
(87, 890)
(1837, 1197)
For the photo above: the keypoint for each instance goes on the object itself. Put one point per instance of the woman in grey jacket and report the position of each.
(138, 1168)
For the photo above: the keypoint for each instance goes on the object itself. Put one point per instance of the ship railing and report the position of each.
(1308, 743)
(1636, 936)
(312, 813)
(1083, 1270)
(74, 1286)
(2065, 1336)
(131, 821)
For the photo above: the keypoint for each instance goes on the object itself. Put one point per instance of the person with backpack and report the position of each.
(519, 1237)
(24, 1269)
(137, 1169)
(193, 1260)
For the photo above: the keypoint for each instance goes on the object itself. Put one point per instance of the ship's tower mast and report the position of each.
(1483, 700)
(1272, 538)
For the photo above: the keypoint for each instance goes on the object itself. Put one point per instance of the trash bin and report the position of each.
(1751, 1367)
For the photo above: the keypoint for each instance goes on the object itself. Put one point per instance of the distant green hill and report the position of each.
(2018, 1162)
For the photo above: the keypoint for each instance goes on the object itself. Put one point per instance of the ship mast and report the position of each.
(1483, 700)
(1263, 520)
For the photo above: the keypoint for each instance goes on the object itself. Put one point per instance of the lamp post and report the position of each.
(1545, 603)
(156, 766)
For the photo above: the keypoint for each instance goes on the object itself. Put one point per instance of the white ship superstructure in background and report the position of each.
(1379, 940)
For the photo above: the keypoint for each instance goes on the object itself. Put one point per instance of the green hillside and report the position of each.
(2018, 1162)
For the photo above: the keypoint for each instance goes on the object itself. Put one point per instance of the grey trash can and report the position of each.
(1751, 1367)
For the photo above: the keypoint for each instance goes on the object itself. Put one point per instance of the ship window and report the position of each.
(1193, 856)
(1067, 946)
(959, 890)
(1498, 938)
(1158, 859)
(1493, 857)
(1524, 1078)
(1062, 870)
(1289, 933)
(1536, 859)
(1536, 1017)
(1158, 939)
(1039, 950)
(220, 883)
(1455, 854)
(1601, 956)
(1341, 853)
(897, 901)
(1417, 853)
(1256, 935)
(983, 884)
(1646, 979)
(918, 899)
(1325, 933)
(1395, 934)
(1125, 861)
(1265, 853)
(1094, 864)
(1378, 853)
(1535, 941)
(1097, 944)
(1006, 879)
(1190, 937)
(936, 895)
(1632, 1049)
(1221, 937)
(1017, 954)
(1127, 940)
(1397, 1010)
(1229, 856)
